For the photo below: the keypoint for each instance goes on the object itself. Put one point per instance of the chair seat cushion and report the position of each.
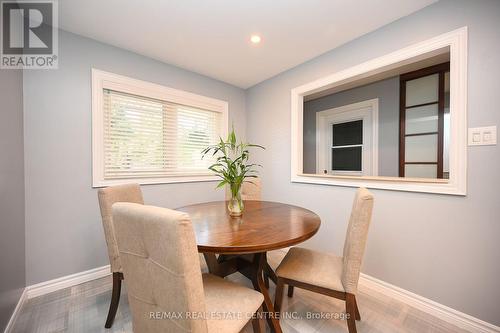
(312, 267)
(225, 298)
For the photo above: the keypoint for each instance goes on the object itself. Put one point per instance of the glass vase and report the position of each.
(235, 204)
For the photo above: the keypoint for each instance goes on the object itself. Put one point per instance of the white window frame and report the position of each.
(366, 111)
(104, 80)
(456, 42)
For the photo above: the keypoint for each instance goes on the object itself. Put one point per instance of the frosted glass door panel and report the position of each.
(421, 170)
(421, 148)
(446, 124)
(423, 119)
(422, 90)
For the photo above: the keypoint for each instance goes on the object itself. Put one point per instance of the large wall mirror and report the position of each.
(396, 122)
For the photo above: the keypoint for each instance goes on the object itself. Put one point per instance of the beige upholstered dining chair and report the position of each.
(107, 197)
(160, 260)
(250, 190)
(328, 274)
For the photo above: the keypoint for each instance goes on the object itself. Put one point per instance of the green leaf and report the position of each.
(231, 161)
(222, 183)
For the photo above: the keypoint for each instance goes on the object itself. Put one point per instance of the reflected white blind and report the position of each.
(145, 137)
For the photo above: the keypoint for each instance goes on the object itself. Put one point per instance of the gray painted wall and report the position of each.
(63, 226)
(445, 248)
(12, 257)
(387, 91)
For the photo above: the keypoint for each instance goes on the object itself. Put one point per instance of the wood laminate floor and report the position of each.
(83, 309)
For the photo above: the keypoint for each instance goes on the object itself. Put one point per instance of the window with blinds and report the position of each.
(145, 137)
(147, 133)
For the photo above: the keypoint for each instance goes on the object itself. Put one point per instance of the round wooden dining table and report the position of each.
(242, 243)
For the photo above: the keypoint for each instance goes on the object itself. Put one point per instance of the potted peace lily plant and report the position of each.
(232, 166)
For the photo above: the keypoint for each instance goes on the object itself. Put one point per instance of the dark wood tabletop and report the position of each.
(264, 226)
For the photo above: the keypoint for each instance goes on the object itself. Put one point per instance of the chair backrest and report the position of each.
(355, 242)
(161, 266)
(107, 197)
(250, 190)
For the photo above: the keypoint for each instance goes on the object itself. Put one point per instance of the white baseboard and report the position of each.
(67, 281)
(368, 284)
(13, 318)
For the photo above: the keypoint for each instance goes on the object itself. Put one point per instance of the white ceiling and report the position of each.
(211, 37)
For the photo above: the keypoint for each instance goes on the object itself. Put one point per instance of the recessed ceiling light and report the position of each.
(255, 39)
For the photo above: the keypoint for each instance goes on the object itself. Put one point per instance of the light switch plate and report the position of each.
(483, 136)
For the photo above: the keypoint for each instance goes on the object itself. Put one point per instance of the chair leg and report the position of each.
(290, 291)
(358, 316)
(115, 299)
(278, 296)
(266, 279)
(350, 306)
(258, 322)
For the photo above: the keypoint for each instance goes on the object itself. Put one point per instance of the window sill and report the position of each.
(380, 178)
(152, 181)
(425, 185)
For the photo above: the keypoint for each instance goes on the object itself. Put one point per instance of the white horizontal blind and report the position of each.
(146, 137)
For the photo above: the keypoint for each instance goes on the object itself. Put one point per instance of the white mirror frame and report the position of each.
(456, 41)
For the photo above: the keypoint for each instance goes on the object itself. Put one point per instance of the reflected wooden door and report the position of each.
(422, 111)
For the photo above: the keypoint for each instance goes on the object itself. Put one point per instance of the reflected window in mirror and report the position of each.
(347, 147)
(344, 139)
